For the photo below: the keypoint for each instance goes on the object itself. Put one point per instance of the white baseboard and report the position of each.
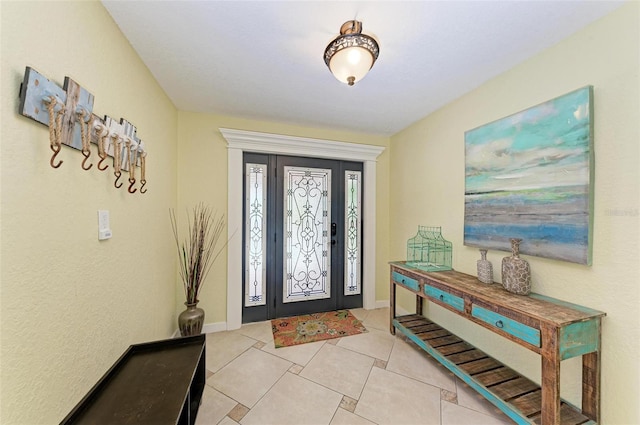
(382, 303)
(214, 327)
(207, 328)
(386, 303)
(401, 311)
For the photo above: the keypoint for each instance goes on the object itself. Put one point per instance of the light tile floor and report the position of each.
(371, 378)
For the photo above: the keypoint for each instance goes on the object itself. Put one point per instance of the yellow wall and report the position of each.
(427, 177)
(71, 305)
(202, 176)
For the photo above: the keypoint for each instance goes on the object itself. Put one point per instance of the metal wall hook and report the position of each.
(118, 174)
(56, 151)
(100, 163)
(131, 183)
(143, 183)
(86, 155)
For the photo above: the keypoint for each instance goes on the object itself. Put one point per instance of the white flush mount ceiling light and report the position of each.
(352, 54)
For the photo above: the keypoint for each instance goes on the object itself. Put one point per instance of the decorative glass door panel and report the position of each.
(255, 235)
(353, 232)
(307, 228)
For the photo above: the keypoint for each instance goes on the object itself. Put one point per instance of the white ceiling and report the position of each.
(264, 59)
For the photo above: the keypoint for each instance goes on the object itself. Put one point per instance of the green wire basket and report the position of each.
(429, 251)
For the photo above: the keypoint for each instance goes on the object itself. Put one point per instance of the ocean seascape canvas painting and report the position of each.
(530, 176)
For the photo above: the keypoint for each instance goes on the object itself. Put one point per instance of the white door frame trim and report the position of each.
(239, 141)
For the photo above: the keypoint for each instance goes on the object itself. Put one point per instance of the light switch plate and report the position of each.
(104, 228)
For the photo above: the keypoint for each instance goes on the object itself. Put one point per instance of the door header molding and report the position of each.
(252, 141)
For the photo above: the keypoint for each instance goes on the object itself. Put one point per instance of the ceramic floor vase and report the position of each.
(516, 272)
(191, 320)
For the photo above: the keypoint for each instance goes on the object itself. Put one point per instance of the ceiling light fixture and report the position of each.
(352, 54)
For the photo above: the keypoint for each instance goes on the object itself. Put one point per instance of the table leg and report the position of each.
(550, 376)
(392, 306)
(591, 386)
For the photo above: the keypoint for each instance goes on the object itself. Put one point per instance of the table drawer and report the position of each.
(406, 281)
(445, 297)
(510, 326)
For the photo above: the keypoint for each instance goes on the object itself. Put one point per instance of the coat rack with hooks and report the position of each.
(68, 112)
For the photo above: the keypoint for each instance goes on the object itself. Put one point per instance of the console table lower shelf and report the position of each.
(517, 396)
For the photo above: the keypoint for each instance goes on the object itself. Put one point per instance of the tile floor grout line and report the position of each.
(224, 394)
(458, 380)
(320, 384)
(365, 382)
(309, 361)
(231, 361)
(267, 391)
(357, 352)
(419, 381)
(275, 355)
(234, 358)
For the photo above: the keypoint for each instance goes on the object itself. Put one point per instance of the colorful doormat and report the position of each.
(314, 327)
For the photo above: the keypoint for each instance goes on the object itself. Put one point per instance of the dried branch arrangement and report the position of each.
(197, 250)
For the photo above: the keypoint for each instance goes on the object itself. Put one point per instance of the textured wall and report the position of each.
(427, 175)
(70, 305)
(202, 176)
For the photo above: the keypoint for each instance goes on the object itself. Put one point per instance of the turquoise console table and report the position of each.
(554, 329)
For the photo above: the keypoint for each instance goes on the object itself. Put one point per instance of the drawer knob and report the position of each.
(403, 281)
(441, 297)
(500, 324)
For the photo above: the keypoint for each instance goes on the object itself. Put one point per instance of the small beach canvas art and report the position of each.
(530, 176)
